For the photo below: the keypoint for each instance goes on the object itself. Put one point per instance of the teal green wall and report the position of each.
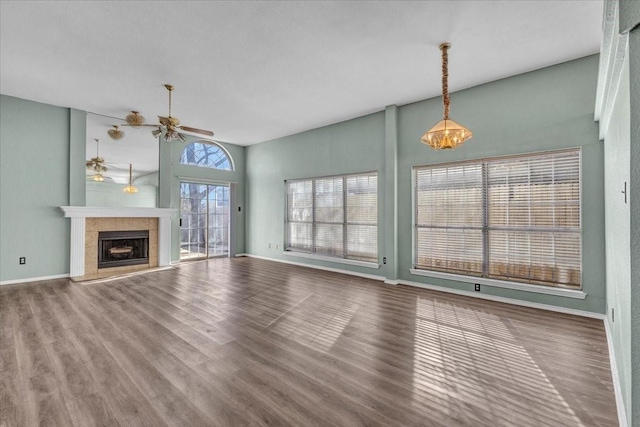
(353, 146)
(112, 195)
(617, 220)
(634, 197)
(543, 110)
(36, 143)
(169, 193)
(622, 165)
(77, 157)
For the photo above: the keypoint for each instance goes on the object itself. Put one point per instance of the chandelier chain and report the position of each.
(445, 80)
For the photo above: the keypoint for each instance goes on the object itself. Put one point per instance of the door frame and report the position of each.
(232, 213)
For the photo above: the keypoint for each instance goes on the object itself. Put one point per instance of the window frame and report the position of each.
(312, 253)
(211, 144)
(485, 277)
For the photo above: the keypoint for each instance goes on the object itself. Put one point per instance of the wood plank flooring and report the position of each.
(249, 342)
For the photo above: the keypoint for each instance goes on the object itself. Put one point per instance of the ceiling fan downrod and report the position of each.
(170, 89)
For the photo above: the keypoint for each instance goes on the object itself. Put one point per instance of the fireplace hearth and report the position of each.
(120, 248)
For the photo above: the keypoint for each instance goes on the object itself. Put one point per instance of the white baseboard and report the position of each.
(391, 282)
(241, 255)
(505, 300)
(334, 270)
(34, 279)
(622, 414)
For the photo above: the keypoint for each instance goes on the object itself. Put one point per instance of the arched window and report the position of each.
(206, 155)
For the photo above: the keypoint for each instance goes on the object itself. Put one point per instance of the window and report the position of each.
(334, 216)
(515, 218)
(206, 155)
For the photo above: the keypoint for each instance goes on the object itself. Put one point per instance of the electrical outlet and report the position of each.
(269, 245)
(477, 287)
(23, 260)
(384, 260)
(613, 315)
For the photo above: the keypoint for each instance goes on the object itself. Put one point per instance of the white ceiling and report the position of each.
(253, 71)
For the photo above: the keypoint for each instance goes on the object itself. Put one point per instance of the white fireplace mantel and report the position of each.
(100, 212)
(78, 215)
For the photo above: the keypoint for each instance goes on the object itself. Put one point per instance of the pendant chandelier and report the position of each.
(135, 119)
(115, 133)
(446, 134)
(96, 164)
(130, 189)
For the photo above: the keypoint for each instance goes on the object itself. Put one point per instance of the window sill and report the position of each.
(540, 289)
(332, 259)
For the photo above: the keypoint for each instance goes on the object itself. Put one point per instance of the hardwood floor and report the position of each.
(248, 342)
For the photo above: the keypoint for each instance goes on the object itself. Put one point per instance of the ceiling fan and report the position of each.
(171, 125)
(96, 164)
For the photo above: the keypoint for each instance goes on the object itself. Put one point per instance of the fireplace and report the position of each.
(118, 248)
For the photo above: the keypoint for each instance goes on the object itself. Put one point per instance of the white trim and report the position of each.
(241, 255)
(193, 180)
(609, 33)
(622, 414)
(391, 282)
(539, 289)
(332, 259)
(164, 241)
(317, 267)
(233, 218)
(174, 262)
(34, 279)
(613, 50)
(77, 249)
(505, 300)
(112, 212)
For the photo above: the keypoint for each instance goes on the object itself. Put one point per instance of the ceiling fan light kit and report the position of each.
(171, 125)
(96, 164)
(446, 134)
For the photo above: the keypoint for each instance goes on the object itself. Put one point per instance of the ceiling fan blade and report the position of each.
(194, 130)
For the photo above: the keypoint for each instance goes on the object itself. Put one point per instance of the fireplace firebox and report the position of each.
(118, 248)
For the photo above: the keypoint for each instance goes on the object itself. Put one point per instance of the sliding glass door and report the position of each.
(204, 220)
(218, 220)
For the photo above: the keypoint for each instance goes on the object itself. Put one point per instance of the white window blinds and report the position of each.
(514, 218)
(334, 216)
(300, 215)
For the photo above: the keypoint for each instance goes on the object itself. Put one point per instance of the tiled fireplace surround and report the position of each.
(87, 222)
